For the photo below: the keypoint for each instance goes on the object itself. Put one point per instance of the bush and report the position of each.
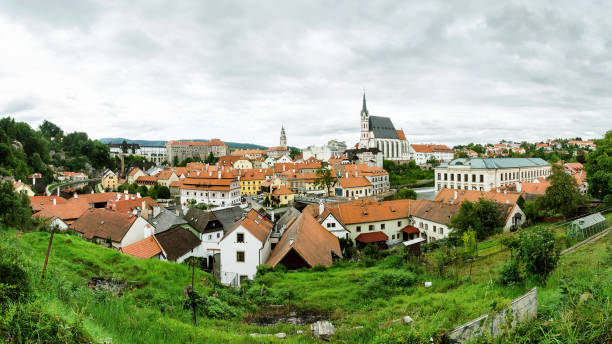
(14, 283)
(215, 308)
(511, 273)
(319, 268)
(538, 251)
(371, 251)
(383, 284)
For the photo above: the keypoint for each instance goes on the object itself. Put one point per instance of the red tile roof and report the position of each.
(431, 148)
(281, 190)
(68, 211)
(104, 223)
(371, 237)
(310, 240)
(401, 135)
(354, 182)
(39, 202)
(410, 230)
(144, 249)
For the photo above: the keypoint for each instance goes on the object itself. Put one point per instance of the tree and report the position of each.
(211, 159)
(461, 154)
(537, 251)
(406, 193)
(175, 161)
(143, 190)
(433, 161)
(14, 208)
(562, 196)
(325, 179)
(598, 168)
(49, 130)
(470, 245)
(124, 146)
(294, 152)
(482, 216)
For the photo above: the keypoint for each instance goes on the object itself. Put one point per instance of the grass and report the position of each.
(351, 294)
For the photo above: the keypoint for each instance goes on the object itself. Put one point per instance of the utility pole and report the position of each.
(42, 277)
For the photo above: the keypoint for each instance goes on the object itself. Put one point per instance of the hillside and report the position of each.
(350, 295)
(119, 140)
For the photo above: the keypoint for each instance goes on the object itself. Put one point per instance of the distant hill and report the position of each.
(118, 140)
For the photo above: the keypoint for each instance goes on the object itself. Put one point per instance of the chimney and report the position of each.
(219, 175)
(272, 217)
(147, 231)
(238, 177)
(497, 190)
(505, 192)
(156, 211)
(125, 191)
(54, 201)
(455, 193)
(143, 211)
(178, 211)
(518, 187)
(76, 195)
(138, 195)
(33, 180)
(260, 170)
(198, 174)
(346, 174)
(321, 207)
(210, 173)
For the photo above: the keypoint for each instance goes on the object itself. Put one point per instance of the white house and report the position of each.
(423, 153)
(215, 191)
(245, 246)
(117, 227)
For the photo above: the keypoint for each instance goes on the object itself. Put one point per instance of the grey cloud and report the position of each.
(19, 105)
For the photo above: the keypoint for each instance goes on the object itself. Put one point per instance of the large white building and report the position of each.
(379, 132)
(485, 174)
(333, 149)
(222, 191)
(423, 153)
(156, 154)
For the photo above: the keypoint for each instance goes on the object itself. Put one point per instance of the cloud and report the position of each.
(237, 70)
(19, 105)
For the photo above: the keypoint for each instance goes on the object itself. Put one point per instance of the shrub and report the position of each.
(537, 251)
(263, 269)
(371, 251)
(14, 283)
(511, 273)
(215, 308)
(319, 268)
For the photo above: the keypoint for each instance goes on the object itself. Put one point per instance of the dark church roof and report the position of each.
(383, 128)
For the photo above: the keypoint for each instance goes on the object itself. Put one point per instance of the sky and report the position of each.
(448, 72)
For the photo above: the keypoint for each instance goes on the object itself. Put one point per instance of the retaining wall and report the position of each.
(522, 308)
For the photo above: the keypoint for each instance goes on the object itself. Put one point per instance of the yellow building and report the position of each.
(243, 164)
(281, 196)
(250, 182)
(110, 181)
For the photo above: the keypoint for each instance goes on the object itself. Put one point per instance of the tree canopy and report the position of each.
(562, 196)
(325, 179)
(483, 216)
(598, 168)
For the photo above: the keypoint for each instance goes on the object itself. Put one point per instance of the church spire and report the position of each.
(364, 109)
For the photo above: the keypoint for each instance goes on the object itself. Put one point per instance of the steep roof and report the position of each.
(438, 212)
(124, 204)
(166, 220)
(310, 240)
(203, 221)
(177, 241)
(134, 171)
(401, 135)
(382, 127)
(259, 226)
(144, 249)
(228, 216)
(281, 190)
(104, 223)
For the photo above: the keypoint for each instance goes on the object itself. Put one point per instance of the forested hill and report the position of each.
(24, 150)
(119, 140)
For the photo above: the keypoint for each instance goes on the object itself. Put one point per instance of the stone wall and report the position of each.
(522, 308)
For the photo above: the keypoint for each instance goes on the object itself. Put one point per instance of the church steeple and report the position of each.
(364, 108)
(283, 137)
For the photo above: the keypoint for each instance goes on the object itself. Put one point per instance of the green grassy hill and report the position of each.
(351, 295)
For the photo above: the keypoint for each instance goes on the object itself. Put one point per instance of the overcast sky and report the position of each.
(444, 71)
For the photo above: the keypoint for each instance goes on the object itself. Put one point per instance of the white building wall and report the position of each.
(230, 267)
(431, 230)
(334, 227)
(136, 233)
(218, 198)
(491, 178)
(392, 228)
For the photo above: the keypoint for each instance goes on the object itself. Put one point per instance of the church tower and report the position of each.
(283, 138)
(365, 125)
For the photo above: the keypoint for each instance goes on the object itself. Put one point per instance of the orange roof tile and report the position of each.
(431, 148)
(354, 182)
(144, 249)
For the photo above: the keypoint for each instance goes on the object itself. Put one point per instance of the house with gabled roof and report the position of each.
(245, 246)
(305, 243)
(107, 226)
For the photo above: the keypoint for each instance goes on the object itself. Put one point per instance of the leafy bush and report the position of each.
(14, 283)
(371, 251)
(319, 268)
(217, 309)
(538, 251)
(383, 283)
(511, 273)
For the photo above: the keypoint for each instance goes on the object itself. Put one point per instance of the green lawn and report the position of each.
(350, 294)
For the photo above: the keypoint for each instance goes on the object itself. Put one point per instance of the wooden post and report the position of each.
(42, 277)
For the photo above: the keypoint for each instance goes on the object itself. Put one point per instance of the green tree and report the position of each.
(537, 251)
(482, 216)
(562, 196)
(294, 152)
(325, 179)
(406, 193)
(470, 245)
(124, 146)
(14, 208)
(598, 168)
(143, 190)
(49, 130)
(175, 161)
(211, 159)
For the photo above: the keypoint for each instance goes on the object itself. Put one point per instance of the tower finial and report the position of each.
(364, 108)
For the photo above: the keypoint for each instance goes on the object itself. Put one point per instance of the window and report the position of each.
(382, 226)
(371, 227)
(434, 229)
(240, 237)
(482, 178)
(333, 224)
(393, 237)
(358, 229)
(473, 178)
(218, 235)
(441, 230)
(209, 236)
(399, 223)
(240, 256)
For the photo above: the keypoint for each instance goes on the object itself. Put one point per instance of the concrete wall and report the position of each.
(523, 308)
